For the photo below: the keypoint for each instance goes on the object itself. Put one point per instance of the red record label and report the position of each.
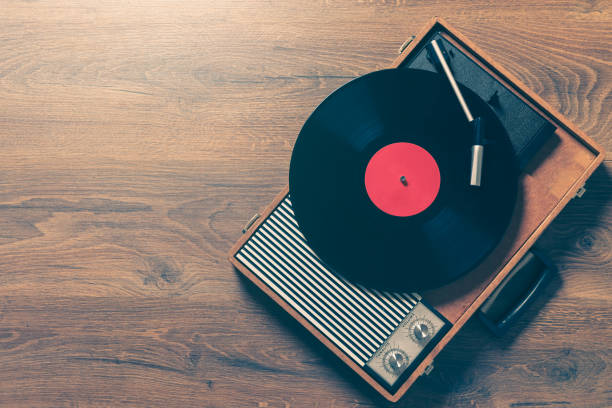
(402, 179)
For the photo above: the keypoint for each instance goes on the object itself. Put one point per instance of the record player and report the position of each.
(402, 218)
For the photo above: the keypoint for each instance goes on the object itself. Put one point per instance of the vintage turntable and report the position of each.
(402, 216)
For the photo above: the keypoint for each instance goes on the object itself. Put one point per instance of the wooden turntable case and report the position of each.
(551, 179)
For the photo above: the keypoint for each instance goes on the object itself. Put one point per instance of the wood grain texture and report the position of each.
(136, 138)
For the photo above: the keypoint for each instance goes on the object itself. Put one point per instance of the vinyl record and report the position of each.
(379, 181)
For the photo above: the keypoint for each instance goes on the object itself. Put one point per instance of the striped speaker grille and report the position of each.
(356, 319)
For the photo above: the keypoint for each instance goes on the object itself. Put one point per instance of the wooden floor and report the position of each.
(137, 137)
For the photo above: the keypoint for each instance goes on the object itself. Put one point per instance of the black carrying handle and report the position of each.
(516, 291)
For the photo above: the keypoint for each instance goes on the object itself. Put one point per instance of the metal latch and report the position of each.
(250, 223)
(405, 44)
(580, 192)
(428, 369)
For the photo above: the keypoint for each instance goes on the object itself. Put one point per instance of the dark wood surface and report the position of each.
(136, 138)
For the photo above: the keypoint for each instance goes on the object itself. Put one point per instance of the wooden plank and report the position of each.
(138, 137)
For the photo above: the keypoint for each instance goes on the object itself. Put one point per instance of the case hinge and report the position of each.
(405, 44)
(250, 223)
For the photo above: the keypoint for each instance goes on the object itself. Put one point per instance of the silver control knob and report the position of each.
(395, 361)
(421, 330)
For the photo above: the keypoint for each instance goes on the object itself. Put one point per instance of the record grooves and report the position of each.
(417, 223)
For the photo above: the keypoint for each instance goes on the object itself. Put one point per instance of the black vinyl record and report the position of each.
(449, 231)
